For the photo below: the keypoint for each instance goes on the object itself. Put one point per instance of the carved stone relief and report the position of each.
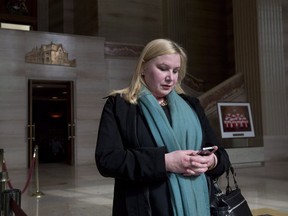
(52, 53)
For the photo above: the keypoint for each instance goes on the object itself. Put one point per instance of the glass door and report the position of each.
(51, 123)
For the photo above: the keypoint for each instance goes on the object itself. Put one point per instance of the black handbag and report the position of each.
(230, 203)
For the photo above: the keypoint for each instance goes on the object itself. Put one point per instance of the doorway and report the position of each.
(51, 121)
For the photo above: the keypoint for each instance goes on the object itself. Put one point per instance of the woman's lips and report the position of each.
(166, 87)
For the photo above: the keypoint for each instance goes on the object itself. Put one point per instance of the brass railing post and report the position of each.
(38, 193)
(3, 181)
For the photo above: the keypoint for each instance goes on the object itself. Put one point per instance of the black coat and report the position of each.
(127, 152)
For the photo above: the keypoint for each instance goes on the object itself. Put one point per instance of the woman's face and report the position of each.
(161, 74)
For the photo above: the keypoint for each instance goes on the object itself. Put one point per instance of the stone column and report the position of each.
(273, 79)
(272, 67)
(259, 54)
(247, 59)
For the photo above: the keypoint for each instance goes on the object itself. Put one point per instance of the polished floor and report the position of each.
(81, 191)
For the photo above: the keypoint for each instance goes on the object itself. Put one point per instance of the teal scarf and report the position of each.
(189, 194)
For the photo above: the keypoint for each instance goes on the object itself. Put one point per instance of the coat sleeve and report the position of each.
(210, 139)
(113, 157)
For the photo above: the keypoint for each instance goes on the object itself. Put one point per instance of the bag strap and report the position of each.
(228, 187)
(216, 186)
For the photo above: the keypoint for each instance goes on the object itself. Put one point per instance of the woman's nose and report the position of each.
(168, 78)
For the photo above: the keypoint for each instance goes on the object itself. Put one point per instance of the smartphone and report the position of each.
(206, 151)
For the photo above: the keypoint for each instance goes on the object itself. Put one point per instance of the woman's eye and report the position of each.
(175, 71)
(163, 69)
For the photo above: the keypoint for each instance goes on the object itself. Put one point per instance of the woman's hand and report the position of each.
(188, 162)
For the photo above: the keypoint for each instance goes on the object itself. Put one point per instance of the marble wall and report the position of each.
(285, 39)
(91, 83)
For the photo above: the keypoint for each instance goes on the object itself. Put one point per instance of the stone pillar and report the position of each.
(68, 16)
(43, 15)
(259, 54)
(273, 79)
(272, 67)
(246, 44)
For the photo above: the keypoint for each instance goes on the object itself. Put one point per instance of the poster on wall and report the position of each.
(235, 120)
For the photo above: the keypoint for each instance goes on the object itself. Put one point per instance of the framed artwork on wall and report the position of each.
(235, 119)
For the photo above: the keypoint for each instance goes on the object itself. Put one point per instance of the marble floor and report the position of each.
(81, 191)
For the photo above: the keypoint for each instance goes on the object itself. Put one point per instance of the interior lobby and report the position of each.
(237, 52)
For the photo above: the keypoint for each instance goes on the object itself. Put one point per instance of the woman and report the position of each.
(149, 136)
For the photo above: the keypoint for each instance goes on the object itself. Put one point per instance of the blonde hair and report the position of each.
(153, 49)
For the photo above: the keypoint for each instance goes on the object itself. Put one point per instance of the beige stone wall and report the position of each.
(285, 37)
(90, 78)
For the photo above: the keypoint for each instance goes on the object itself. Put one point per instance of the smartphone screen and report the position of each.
(206, 151)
